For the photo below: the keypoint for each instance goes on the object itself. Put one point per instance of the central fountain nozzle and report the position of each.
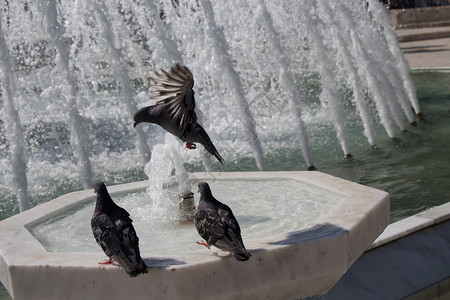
(186, 205)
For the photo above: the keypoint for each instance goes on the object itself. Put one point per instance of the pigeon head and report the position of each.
(104, 200)
(99, 187)
(205, 191)
(140, 116)
(144, 115)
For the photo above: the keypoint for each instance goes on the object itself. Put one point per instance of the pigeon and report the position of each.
(114, 232)
(175, 109)
(216, 224)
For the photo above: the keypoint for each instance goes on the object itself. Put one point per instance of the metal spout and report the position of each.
(186, 205)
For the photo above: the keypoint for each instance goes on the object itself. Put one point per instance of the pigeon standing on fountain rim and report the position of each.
(216, 224)
(175, 109)
(114, 232)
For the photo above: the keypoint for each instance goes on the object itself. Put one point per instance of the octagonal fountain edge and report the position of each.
(289, 265)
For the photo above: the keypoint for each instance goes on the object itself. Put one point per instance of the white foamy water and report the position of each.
(268, 77)
(262, 208)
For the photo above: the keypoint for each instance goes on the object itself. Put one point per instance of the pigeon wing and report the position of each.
(233, 239)
(231, 226)
(106, 235)
(209, 225)
(129, 239)
(174, 90)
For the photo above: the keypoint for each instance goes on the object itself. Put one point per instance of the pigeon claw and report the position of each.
(203, 243)
(191, 146)
(109, 261)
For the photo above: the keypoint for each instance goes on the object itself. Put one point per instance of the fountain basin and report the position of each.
(294, 264)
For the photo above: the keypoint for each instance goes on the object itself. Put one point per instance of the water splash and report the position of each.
(330, 97)
(221, 46)
(402, 65)
(166, 161)
(14, 128)
(255, 73)
(79, 138)
(286, 79)
(352, 79)
(120, 71)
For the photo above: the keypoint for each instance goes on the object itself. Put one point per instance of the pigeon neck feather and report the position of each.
(104, 203)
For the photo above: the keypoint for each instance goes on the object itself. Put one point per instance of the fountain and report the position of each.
(49, 253)
(269, 78)
(72, 82)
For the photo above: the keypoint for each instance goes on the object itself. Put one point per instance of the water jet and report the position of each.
(186, 205)
(275, 95)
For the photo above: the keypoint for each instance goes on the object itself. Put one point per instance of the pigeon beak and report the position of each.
(134, 125)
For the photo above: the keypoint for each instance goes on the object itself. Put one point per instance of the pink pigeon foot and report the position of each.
(109, 261)
(191, 146)
(203, 243)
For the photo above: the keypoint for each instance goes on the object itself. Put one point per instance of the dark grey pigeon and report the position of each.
(216, 224)
(114, 232)
(175, 109)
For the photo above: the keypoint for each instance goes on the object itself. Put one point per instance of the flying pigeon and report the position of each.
(216, 224)
(175, 109)
(114, 232)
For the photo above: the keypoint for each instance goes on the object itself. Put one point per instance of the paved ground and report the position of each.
(426, 47)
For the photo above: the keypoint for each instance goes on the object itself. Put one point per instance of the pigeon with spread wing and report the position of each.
(175, 108)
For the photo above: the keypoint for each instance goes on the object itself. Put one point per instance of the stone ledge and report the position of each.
(295, 264)
(420, 17)
(420, 34)
(407, 226)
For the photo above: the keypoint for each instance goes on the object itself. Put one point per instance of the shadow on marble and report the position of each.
(162, 263)
(288, 265)
(318, 231)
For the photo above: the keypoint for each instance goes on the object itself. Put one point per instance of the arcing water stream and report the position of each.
(266, 73)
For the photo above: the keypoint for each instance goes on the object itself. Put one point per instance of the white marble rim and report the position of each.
(339, 220)
(428, 69)
(412, 224)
